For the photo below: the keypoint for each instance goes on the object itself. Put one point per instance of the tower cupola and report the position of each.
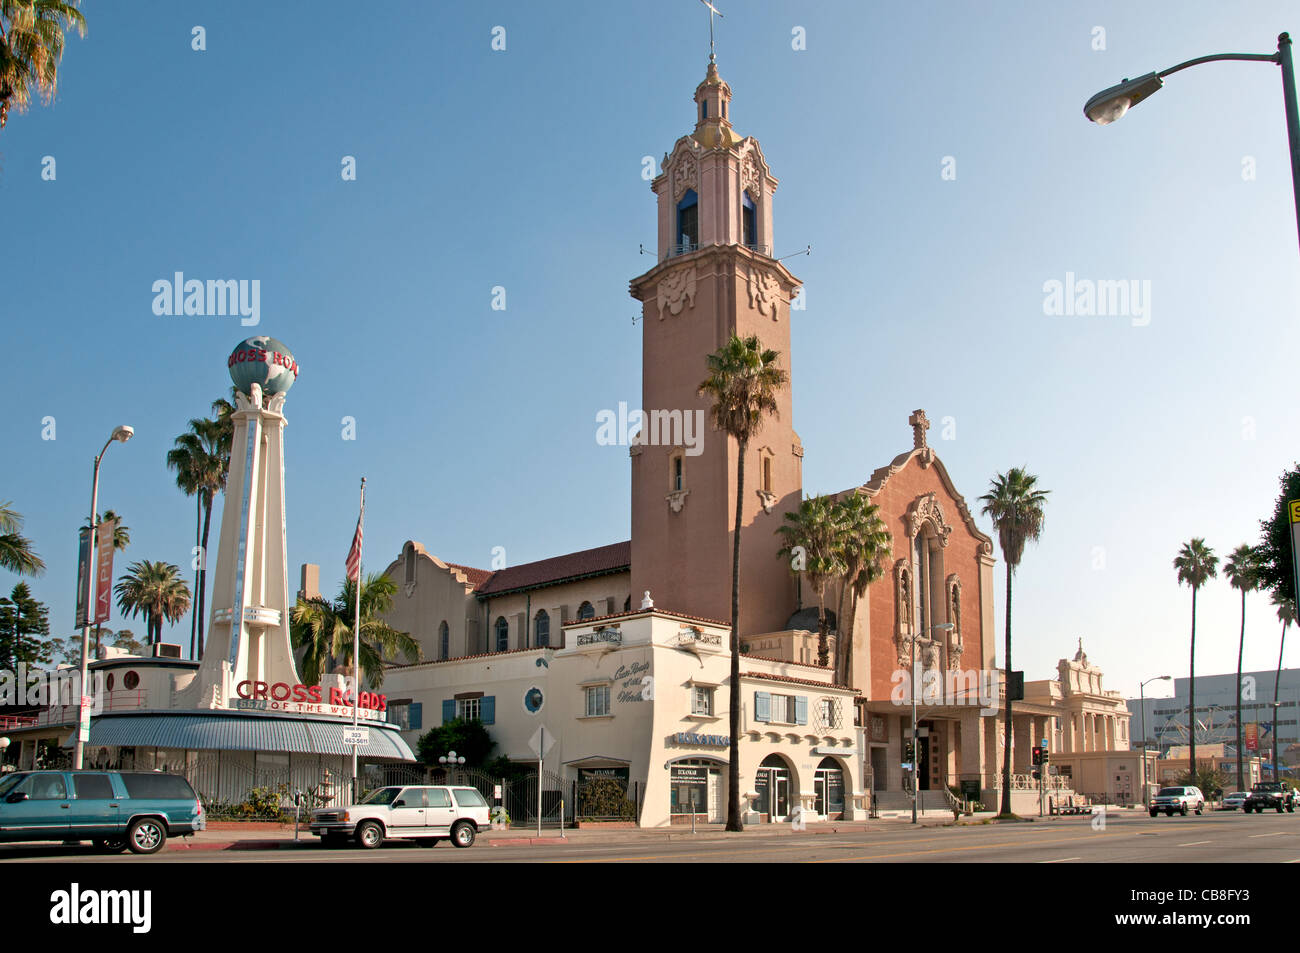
(713, 112)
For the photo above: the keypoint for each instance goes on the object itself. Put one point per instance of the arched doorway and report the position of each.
(777, 794)
(828, 790)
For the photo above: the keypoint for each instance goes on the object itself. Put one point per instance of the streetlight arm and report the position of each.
(1264, 57)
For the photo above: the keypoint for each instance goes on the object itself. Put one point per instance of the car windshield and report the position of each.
(8, 781)
(1170, 792)
(382, 796)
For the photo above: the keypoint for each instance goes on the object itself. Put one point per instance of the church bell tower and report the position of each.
(715, 277)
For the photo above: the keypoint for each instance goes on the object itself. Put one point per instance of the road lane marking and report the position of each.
(1274, 834)
(1196, 843)
(1059, 860)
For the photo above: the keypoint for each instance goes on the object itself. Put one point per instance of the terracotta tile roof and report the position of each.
(798, 681)
(476, 577)
(545, 572)
(388, 666)
(783, 661)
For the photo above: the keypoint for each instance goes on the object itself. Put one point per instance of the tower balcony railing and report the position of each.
(687, 247)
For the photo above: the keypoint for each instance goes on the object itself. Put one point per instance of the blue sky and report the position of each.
(522, 168)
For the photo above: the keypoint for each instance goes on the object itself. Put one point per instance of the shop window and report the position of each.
(597, 700)
(702, 700)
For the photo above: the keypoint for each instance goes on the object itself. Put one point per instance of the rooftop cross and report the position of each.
(920, 424)
(712, 11)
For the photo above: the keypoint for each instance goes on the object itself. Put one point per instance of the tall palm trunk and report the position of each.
(1277, 683)
(733, 768)
(1241, 647)
(203, 566)
(194, 612)
(1191, 694)
(840, 647)
(1005, 807)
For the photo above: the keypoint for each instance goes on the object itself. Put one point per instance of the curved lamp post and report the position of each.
(1142, 706)
(1111, 104)
(121, 434)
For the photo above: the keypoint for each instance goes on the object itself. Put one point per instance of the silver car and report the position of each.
(1234, 801)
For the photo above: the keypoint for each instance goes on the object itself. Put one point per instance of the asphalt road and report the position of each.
(1126, 838)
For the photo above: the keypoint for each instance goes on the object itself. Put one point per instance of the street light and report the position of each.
(1142, 706)
(916, 781)
(121, 434)
(449, 761)
(1111, 104)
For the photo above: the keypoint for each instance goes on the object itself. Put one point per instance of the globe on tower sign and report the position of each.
(263, 361)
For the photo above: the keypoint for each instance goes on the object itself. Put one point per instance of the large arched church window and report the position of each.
(688, 221)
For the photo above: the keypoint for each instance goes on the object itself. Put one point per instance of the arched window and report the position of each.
(410, 564)
(749, 220)
(503, 634)
(586, 611)
(542, 629)
(688, 221)
(444, 640)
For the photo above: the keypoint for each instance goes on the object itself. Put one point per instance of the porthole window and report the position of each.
(131, 681)
(108, 682)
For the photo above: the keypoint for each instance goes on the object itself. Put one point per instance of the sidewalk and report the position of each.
(230, 836)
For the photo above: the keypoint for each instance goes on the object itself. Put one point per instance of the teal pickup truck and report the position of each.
(115, 810)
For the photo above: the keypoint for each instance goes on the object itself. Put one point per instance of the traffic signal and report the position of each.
(1038, 755)
(1045, 754)
(908, 752)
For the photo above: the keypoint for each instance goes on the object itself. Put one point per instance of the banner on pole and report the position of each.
(104, 571)
(83, 578)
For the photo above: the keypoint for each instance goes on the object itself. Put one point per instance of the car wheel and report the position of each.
(110, 845)
(146, 836)
(462, 835)
(370, 835)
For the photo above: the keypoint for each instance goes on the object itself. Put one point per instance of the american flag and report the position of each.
(354, 554)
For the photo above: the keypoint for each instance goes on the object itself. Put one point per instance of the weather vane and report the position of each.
(712, 11)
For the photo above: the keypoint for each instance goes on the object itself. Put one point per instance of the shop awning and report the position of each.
(230, 732)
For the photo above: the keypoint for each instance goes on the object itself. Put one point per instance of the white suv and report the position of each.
(1181, 799)
(420, 813)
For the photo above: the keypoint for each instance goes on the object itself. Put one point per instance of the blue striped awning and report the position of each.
(196, 731)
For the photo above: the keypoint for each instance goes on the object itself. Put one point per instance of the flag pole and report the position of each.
(356, 637)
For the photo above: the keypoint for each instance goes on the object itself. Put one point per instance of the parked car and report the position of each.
(1270, 794)
(426, 814)
(114, 810)
(1234, 801)
(1180, 799)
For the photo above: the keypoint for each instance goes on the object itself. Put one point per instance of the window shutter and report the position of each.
(801, 709)
(762, 706)
(415, 715)
(448, 710)
(489, 710)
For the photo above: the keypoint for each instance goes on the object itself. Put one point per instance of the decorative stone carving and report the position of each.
(768, 499)
(749, 175)
(903, 604)
(685, 176)
(676, 291)
(927, 508)
(956, 644)
(764, 291)
(677, 499)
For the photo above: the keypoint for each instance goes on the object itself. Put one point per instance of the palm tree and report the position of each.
(813, 544)
(1242, 570)
(1285, 615)
(201, 459)
(1015, 504)
(156, 590)
(31, 46)
(1196, 565)
(743, 382)
(865, 547)
(121, 540)
(323, 630)
(16, 553)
